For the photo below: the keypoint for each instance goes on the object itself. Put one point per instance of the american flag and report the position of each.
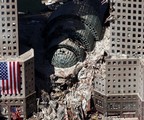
(9, 78)
(16, 113)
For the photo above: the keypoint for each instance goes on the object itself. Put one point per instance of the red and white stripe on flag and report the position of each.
(9, 78)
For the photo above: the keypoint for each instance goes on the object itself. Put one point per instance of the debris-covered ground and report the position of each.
(72, 88)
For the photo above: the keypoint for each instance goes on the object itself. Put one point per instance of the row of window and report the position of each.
(118, 32)
(124, 74)
(128, 46)
(99, 89)
(129, 5)
(8, 42)
(21, 94)
(127, 35)
(8, 36)
(7, 1)
(130, 11)
(8, 53)
(120, 86)
(128, 22)
(8, 24)
(122, 91)
(122, 80)
(12, 101)
(121, 62)
(121, 97)
(8, 13)
(131, 18)
(10, 48)
(8, 19)
(132, 1)
(29, 71)
(132, 53)
(123, 69)
(7, 6)
(126, 50)
(123, 28)
(126, 106)
(118, 40)
(8, 30)
(99, 83)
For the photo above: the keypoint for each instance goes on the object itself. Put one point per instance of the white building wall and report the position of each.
(141, 83)
(99, 84)
(27, 80)
(8, 28)
(122, 76)
(127, 29)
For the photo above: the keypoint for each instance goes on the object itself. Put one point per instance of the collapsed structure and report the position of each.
(17, 82)
(118, 79)
(71, 34)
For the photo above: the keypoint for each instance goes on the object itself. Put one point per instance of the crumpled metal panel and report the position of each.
(84, 11)
(81, 8)
(64, 58)
(67, 54)
(93, 23)
(85, 38)
(75, 30)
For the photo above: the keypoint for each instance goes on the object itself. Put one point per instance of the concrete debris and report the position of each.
(50, 2)
(71, 92)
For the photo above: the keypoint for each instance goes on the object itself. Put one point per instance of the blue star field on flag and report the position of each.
(3, 71)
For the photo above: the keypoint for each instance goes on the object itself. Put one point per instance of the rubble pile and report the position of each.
(101, 47)
(71, 91)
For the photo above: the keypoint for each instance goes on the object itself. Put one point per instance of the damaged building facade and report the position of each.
(17, 82)
(120, 92)
(72, 31)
